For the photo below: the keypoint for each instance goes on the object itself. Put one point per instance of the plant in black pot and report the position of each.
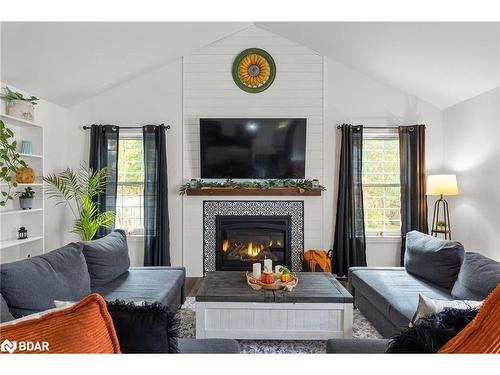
(26, 198)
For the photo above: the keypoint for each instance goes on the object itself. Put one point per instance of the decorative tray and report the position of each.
(256, 284)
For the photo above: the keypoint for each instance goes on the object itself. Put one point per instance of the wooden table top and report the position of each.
(231, 286)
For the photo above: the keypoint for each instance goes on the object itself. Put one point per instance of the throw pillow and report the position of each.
(430, 333)
(5, 315)
(433, 259)
(31, 285)
(478, 277)
(107, 258)
(85, 327)
(144, 327)
(482, 335)
(428, 306)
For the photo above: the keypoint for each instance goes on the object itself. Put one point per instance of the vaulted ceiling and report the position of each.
(442, 63)
(66, 63)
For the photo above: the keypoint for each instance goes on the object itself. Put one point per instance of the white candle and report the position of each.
(256, 270)
(277, 269)
(268, 265)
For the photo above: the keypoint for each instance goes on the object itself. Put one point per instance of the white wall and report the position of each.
(352, 97)
(472, 152)
(209, 91)
(153, 98)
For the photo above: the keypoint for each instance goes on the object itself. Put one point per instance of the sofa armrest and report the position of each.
(208, 346)
(350, 346)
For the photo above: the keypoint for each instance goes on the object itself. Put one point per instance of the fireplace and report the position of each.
(244, 240)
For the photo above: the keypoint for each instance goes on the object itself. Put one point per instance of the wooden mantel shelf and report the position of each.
(250, 191)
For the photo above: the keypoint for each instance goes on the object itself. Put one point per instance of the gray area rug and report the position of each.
(361, 329)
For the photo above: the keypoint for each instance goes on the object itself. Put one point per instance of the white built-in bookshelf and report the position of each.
(12, 217)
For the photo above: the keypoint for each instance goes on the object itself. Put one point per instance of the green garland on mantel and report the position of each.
(300, 185)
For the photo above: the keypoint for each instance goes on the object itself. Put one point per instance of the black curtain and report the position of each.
(156, 223)
(104, 153)
(413, 182)
(349, 243)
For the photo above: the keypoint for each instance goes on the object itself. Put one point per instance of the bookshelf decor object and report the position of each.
(12, 215)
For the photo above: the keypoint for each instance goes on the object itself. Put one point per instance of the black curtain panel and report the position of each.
(413, 182)
(104, 153)
(349, 240)
(156, 223)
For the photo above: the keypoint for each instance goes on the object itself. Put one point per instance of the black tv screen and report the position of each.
(259, 148)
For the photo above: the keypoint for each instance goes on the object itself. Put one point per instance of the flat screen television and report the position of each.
(253, 148)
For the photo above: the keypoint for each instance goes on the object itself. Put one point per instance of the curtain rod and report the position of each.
(377, 127)
(85, 127)
(373, 127)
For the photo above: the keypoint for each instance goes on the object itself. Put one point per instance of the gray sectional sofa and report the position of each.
(101, 266)
(435, 268)
(388, 296)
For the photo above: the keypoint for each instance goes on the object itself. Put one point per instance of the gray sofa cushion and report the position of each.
(433, 259)
(107, 258)
(5, 315)
(357, 346)
(150, 284)
(31, 285)
(393, 292)
(478, 276)
(208, 346)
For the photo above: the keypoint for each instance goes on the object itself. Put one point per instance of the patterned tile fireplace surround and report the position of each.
(214, 208)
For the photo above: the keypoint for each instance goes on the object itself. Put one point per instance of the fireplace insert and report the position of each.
(244, 240)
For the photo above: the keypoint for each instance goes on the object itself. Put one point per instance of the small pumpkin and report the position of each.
(267, 278)
(286, 274)
(25, 175)
(285, 277)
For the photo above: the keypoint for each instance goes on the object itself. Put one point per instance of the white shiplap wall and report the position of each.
(209, 91)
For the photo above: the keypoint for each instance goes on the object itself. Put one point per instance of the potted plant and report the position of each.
(19, 106)
(78, 190)
(10, 162)
(441, 225)
(26, 198)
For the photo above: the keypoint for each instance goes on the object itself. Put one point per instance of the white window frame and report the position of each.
(130, 135)
(381, 134)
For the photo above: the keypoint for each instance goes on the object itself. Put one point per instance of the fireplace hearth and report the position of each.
(244, 240)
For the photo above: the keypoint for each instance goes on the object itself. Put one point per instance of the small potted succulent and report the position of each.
(441, 225)
(26, 198)
(19, 106)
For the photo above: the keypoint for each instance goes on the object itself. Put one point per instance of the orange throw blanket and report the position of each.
(320, 257)
(482, 335)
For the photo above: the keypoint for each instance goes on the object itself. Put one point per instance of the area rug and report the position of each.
(361, 329)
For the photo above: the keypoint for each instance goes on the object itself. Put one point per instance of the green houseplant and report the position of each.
(26, 198)
(10, 162)
(77, 190)
(441, 225)
(18, 105)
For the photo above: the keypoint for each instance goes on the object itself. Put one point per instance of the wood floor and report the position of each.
(193, 284)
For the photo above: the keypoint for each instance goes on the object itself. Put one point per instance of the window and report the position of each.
(381, 184)
(130, 189)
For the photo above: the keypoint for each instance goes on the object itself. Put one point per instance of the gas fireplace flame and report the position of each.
(275, 244)
(225, 245)
(253, 249)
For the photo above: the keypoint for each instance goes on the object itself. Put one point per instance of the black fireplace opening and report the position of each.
(244, 240)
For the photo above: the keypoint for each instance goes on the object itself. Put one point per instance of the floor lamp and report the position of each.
(441, 185)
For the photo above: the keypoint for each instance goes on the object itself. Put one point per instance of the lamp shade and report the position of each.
(442, 184)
